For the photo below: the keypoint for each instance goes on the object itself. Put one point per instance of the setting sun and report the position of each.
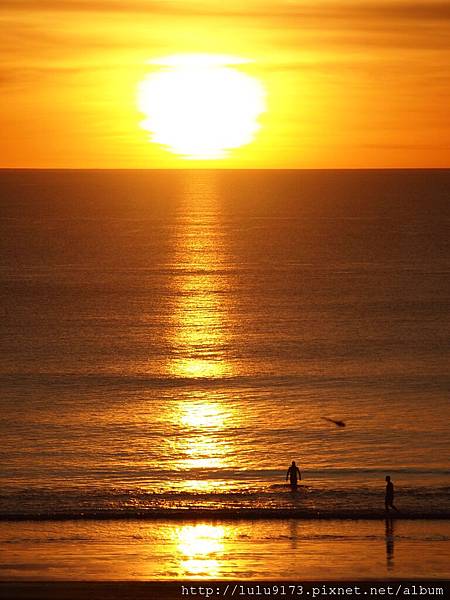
(199, 107)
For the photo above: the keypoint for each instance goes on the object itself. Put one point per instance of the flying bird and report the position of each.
(338, 423)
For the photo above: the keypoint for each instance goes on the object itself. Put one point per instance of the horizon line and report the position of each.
(225, 169)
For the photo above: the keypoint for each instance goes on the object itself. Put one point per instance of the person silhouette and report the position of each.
(389, 498)
(291, 474)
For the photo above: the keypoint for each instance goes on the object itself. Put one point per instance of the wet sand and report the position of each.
(163, 551)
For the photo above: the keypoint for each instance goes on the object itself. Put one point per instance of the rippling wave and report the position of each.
(274, 501)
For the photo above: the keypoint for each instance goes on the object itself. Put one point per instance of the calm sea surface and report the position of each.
(172, 340)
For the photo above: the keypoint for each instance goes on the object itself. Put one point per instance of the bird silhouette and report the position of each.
(338, 423)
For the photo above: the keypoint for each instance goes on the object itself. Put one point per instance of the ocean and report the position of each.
(172, 340)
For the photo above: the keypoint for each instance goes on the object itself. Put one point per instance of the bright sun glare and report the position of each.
(199, 107)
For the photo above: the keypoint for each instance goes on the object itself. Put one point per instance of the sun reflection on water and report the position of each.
(202, 443)
(205, 485)
(195, 367)
(204, 414)
(199, 333)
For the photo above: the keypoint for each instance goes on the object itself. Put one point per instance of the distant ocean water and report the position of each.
(171, 339)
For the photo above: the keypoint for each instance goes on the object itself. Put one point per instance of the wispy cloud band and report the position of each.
(345, 10)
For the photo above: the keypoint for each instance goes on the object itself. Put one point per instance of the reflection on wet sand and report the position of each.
(293, 533)
(159, 550)
(389, 535)
(201, 549)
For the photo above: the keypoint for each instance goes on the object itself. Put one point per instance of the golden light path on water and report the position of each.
(199, 315)
(199, 335)
(200, 106)
(204, 421)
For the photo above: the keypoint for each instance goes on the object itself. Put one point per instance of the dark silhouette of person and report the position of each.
(291, 474)
(389, 498)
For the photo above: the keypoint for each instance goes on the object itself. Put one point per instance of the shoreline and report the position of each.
(195, 514)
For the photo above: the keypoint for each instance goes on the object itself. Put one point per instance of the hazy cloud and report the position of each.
(11, 75)
(345, 10)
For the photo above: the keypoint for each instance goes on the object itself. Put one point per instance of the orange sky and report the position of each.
(349, 83)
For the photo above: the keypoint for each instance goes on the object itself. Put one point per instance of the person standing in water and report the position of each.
(389, 498)
(293, 474)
